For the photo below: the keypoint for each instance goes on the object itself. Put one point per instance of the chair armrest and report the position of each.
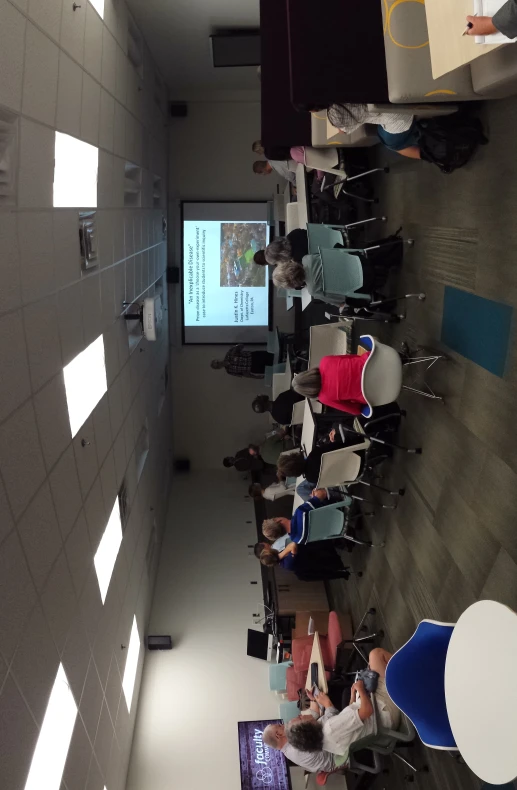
(420, 110)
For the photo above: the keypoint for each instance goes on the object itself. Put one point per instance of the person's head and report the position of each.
(262, 168)
(229, 461)
(258, 548)
(278, 251)
(305, 734)
(274, 736)
(272, 529)
(253, 449)
(308, 383)
(258, 148)
(217, 364)
(311, 107)
(255, 491)
(261, 404)
(260, 258)
(291, 464)
(289, 275)
(269, 557)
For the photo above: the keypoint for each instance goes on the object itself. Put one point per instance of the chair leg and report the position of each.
(429, 394)
(365, 222)
(379, 302)
(369, 173)
(398, 492)
(367, 543)
(411, 451)
(369, 502)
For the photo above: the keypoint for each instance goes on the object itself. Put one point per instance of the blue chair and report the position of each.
(288, 711)
(415, 680)
(277, 676)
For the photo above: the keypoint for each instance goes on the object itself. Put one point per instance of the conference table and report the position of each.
(481, 690)
(448, 48)
(317, 657)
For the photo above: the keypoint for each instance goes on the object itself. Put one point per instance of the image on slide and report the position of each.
(239, 243)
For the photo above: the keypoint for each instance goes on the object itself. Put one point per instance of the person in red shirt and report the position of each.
(336, 382)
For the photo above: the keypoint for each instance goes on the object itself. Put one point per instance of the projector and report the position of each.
(150, 315)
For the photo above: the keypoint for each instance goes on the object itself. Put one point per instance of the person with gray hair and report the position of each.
(308, 274)
(312, 739)
(294, 247)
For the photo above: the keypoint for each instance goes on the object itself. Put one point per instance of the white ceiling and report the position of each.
(177, 32)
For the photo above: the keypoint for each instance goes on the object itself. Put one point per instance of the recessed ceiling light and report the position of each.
(106, 554)
(133, 652)
(48, 761)
(76, 167)
(99, 7)
(85, 383)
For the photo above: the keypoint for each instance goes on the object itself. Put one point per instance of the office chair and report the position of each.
(331, 523)
(415, 683)
(327, 236)
(277, 676)
(288, 711)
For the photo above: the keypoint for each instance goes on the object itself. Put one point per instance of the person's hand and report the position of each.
(324, 699)
(481, 26)
(310, 695)
(320, 493)
(332, 434)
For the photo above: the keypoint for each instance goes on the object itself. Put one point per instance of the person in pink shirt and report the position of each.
(337, 382)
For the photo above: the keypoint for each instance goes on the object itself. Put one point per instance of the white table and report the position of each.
(481, 690)
(449, 49)
(317, 658)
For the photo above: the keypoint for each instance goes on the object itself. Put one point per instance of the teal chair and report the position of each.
(277, 676)
(330, 523)
(342, 273)
(288, 711)
(273, 343)
(326, 236)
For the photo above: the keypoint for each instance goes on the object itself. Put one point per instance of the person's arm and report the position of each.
(291, 548)
(366, 708)
(504, 21)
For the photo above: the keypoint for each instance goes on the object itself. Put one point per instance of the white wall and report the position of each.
(211, 158)
(193, 696)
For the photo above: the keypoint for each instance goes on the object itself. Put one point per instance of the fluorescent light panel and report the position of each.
(48, 761)
(99, 7)
(76, 168)
(85, 383)
(128, 683)
(107, 552)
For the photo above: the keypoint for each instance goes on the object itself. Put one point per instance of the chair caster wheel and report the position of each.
(418, 451)
(384, 219)
(380, 634)
(385, 771)
(375, 200)
(386, 169)
(424, 769)
(402, 491)
(409, 778)
(359, 574)
(410, 242)
(421, 297)
(372, 611)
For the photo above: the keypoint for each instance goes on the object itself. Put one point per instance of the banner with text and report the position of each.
(261, 767)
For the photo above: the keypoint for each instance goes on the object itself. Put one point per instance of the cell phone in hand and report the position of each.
(315, 691)
(314, 673)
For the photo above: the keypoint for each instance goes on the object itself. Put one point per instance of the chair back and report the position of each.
(341, 466)
(288, 711)
(342, 272)
(325, 523)
(325, 340)
(415, 680)
(322, 236)
(382, 375)
(277, 676)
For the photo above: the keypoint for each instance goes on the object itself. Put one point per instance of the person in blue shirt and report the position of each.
(317, 561)
(297, 526)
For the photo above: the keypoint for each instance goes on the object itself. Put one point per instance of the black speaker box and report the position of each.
(159, 643)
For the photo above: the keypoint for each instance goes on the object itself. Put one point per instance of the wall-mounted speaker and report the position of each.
(173, 275)
(178, 109)
(159, 643)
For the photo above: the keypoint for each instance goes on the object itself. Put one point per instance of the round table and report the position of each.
(481, 690)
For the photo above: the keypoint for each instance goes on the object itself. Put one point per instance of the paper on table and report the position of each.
(489, 8)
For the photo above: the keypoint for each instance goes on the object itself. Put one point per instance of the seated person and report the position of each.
(273, 491)
(242, 363)
(295, 464)
(314, 562)
(281, 408)
(310, 740)
(335, 383)
(308, 274)
(276, 443)
(247, 460)
(265, 168)
(297, 526)
(292, 247)
(397, 131)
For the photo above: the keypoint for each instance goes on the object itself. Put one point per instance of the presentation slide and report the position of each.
(225, 294)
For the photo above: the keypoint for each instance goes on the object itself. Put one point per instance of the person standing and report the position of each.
(243, 363)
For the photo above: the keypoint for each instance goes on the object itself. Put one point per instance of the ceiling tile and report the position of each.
(43, 344)
(19, 736)
(59, 601)
(76, 657)
(79, 553)
(104, 740)
(13, 362)
(78, 760)
(66, 491)
(91, 701)
(52, 417)
(40, 535)
(86, 456)
(17, 594)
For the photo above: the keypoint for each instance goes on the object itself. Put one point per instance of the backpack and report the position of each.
(450, 141)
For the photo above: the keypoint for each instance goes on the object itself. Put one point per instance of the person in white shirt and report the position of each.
(266, 167)
(313, 735)
(273, 491)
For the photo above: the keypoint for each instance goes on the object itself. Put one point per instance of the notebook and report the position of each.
(489, 8)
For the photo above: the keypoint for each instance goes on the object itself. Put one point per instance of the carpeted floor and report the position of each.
(453, 538)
